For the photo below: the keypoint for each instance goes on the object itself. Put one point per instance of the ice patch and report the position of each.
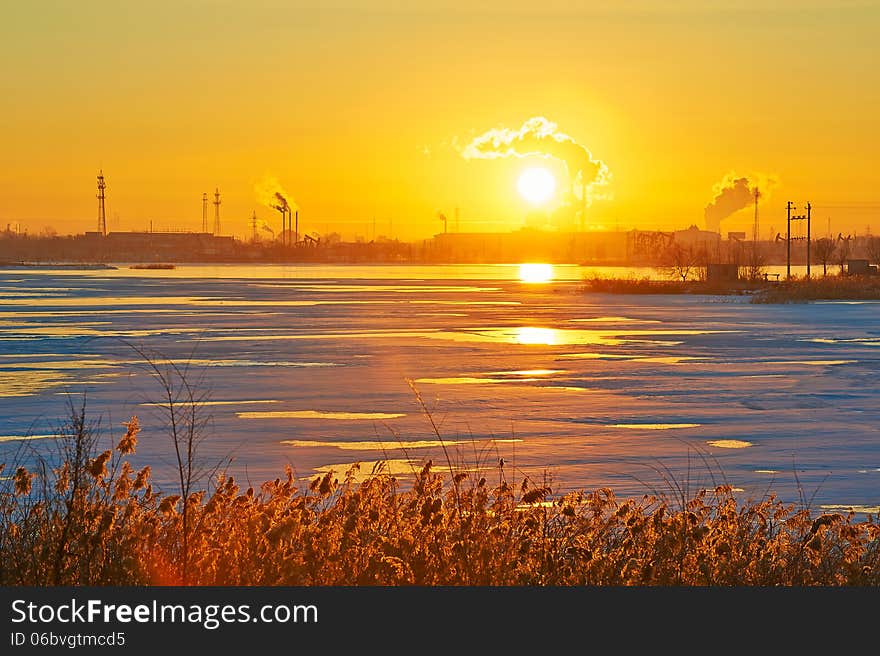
(729, 444)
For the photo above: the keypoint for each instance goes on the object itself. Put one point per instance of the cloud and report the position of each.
(542, 137)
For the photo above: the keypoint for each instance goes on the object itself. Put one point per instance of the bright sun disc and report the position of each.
(536, 185)
(532, 272)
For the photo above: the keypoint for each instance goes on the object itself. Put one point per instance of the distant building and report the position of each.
(528, 244)
(698, 239)
(860, 268)
(178, 246)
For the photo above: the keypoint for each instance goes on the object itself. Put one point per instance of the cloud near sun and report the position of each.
(542, 137)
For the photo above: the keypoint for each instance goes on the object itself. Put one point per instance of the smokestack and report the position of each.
(583, 205)
(270, 193)
(216, 211)
(283, 211)
(102, 215)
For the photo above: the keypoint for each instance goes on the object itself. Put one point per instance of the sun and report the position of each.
(536, 184)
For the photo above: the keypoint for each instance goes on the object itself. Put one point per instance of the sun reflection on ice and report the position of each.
(730, 444)
(535, 272)
(532, 335)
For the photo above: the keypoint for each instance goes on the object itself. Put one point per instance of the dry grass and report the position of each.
(796, 290)
(840, 287)
(650, 286)
(91, 519)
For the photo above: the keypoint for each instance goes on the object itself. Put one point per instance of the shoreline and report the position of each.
(797, 290)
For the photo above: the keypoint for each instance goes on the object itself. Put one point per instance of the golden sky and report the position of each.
(361, 110)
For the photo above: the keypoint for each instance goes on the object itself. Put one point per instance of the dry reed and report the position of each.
(92, 519)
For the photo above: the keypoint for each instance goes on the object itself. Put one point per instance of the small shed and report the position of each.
(858, 267)
(722, 272)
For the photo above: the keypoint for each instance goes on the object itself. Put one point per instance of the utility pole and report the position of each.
(295, 227)
(205, 212)
(809, 207)
(102, 215)
(798, 217)
(789, 207)
(216, 211)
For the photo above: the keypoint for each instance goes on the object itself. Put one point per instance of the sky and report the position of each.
(362, 112)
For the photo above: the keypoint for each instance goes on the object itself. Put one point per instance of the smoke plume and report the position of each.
(539, 136)
(270, 193)
(733, 193)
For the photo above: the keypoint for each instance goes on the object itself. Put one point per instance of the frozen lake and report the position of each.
(309, 366)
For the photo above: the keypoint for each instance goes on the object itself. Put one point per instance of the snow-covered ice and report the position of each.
(310, 366)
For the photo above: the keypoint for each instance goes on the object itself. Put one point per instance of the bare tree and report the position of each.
(757, 260)
(735, 253)
(872, 249)
(824, 251)
(680, 262)
(842, 252)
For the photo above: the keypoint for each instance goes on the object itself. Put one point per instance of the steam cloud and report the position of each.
(539, 136)
(734, 193)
